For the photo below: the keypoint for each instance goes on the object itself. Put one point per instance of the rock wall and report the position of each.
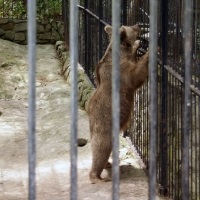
(16, 31)
(85, 86)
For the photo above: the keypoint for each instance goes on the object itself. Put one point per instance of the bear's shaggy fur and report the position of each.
(133, 73)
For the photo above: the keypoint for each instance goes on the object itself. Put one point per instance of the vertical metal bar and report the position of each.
(115, 96)
(65, 10)
(187, 32)
(176, 144)
(124, 13)
(196, 27)
(31, 96)
(170, 114)
(179, 114)
(198, 171)
(139, 124)
(153, 95)
(74, 100)
(143, 122)
(195, 43)
(178, 31)
(196, 146)
(192, 152)
(86, 37)
(173, 170)
(80, 37)
(163, 137)
(100, 29)
(147, 129)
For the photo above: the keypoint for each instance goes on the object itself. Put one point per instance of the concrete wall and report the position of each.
(16, 31)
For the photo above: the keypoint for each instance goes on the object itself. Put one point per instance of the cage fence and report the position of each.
(171, 80)
(178, 85)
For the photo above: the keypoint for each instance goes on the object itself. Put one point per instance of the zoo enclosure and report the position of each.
(178, 125)
(171, 101)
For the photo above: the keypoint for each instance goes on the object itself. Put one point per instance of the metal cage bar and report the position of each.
(115, 96)
(164, 99)
(153, 97)
(187, 33)
(74, 95)
(32, 97)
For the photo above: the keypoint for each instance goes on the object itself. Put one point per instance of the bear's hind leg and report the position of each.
(101, 149)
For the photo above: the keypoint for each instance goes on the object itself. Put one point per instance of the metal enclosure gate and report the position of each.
(174, 87)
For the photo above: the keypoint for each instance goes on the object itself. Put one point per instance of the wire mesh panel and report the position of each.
(93, 16)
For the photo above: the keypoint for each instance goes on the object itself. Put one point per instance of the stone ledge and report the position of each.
(85, 86)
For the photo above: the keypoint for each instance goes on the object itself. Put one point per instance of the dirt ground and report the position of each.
(53, 135)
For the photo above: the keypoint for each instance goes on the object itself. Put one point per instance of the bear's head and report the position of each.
(128, 34)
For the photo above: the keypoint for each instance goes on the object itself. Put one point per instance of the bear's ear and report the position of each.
(108, 30)
(136, 28)
(123, 34)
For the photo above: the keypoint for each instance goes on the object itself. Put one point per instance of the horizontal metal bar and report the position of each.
(93, 15)
(181, 79)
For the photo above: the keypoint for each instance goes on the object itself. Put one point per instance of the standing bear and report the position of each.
(133, 73)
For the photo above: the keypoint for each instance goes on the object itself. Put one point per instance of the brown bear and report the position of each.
(134, 72)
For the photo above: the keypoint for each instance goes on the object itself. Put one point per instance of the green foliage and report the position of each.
(49, 9)
(12, 9)
(19, 10)
(46, 9)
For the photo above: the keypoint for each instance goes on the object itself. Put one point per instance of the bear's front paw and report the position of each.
(134, 49)
(137, 43)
